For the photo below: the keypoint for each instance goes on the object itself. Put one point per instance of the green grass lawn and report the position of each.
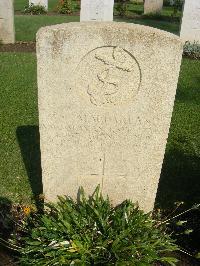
(27, 26)
(20, 174)
(172, 27)
(18, 108)
(20, 4)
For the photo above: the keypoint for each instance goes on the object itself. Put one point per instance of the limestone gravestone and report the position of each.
(153, 6)
(96, 10)
(39, 2)
(190, 28)
(106, 95)
(7, 30)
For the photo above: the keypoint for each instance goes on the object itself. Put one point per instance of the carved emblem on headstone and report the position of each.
(109, 76)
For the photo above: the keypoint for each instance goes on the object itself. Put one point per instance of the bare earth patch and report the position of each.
(27, 47)
(5, 259)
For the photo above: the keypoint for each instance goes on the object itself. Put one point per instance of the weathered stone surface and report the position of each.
(106, 95)
(190, 28)
(39, 2)
(153, 6)
(7, 30)
(96, 10)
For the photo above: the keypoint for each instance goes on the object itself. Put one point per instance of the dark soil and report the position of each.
(27, 47)
(184, 260)
(5, 259)
(187, 261)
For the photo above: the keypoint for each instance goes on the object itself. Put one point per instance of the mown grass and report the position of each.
(172, 27)
(18, 108)
(20, 4)
(26, 27)
(20, 173)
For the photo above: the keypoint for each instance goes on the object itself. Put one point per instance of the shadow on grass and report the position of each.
(29, 142)
(189, 93)
(179, 180)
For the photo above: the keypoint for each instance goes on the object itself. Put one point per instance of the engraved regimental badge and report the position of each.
(108, 76)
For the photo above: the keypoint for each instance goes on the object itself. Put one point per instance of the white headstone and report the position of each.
(106, 95)
(153, 6)
(190, 28)
(97, 10)
(39, 2)
(7, 29)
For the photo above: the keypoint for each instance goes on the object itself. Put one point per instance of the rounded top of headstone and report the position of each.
(129, 29)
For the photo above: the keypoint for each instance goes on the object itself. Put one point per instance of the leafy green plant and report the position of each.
(192, 50)
(65, 7)
(177, 6)
(92, 232)
(13, 218)
(166, 3)
(121, 7)
(35, 9)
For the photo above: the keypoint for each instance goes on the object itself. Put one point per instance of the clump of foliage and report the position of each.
(13, 219)
(121, 7)
(35, 9)
(92, 232)
(192, 50)
(177, 6)
(65, 7)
